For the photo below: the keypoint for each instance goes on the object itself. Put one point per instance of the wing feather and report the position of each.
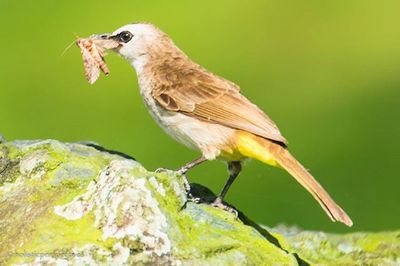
(196, 92)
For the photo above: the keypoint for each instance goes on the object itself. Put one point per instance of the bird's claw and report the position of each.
(191, 198)
(219, 204)
(161, 170)
(186, 184)
(181, 171)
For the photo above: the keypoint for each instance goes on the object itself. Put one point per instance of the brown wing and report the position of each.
(198, 93)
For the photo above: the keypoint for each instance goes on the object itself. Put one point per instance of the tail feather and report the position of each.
(283, 158)
(290, 164)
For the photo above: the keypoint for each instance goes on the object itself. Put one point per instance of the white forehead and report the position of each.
(139, 29)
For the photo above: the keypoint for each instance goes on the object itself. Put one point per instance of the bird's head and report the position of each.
(137, 41)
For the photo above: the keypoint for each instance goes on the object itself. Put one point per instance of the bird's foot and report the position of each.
(186, 184)
(189, 195)
(220, 204)
(182, 171)
(191, 198)
(162, 170)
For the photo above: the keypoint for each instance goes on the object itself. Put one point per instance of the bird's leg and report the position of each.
(182, 171)
(185, 168)
(234, 169)
(190, 165)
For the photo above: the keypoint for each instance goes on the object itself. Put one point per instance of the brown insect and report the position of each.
(93, 53)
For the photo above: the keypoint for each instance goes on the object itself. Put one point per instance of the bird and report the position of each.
(208, 113)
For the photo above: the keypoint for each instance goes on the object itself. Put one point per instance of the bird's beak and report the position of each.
(103, 36)
(106, 36)
(105, 41)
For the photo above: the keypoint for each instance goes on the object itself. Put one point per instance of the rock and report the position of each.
(80, 204)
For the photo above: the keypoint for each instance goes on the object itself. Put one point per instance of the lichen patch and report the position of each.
(30, 164)
(158, 186)
(124, 208)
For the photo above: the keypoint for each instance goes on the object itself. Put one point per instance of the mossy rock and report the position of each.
(80, 204)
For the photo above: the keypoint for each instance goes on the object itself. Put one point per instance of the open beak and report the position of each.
(103, 36)
(105, 41)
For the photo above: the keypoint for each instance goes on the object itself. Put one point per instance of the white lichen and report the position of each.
(76, 209)
(345, 248)
(7, 188)
(158, 186)
(123, 207)
(179, 191)
(121, 254)
(88, 255)
(32, 162)
(45, 260)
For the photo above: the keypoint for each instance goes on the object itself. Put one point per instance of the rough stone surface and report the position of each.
(80, 204)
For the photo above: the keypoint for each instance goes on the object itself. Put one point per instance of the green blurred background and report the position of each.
(326, 71)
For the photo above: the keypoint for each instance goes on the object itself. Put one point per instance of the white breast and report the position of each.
(209, 138)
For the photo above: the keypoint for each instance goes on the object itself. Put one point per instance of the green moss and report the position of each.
(373, 242)
(120, 219)
(135, 246)
(222, 232)
(140, 171)
(71, 183)
(172, 203)
(54, 233)
(199, 233)
(22, 209)
(8, 166)
(33, 200)
(360, 248)
(13, 153)
(202, 231)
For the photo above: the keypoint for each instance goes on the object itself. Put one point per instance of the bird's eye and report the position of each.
(125, 36)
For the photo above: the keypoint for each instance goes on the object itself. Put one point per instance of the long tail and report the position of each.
(272, 153)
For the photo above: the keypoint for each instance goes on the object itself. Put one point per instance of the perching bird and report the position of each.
(207, 112)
